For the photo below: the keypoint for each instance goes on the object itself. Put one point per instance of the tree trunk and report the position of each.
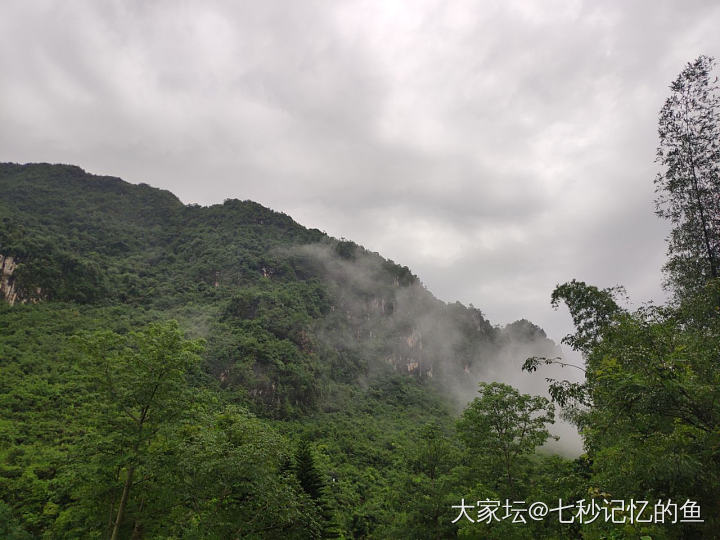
(123, 502)
(507, 470)
(137, 533)
(111, 511)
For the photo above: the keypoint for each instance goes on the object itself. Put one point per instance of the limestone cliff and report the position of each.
(7, 282)
(10, 291)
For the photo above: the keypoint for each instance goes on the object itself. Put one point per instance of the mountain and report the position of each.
(317, 336)
(287, 310)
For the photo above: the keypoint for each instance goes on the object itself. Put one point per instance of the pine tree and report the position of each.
(311, 481)
(307, 473)
(688, 185)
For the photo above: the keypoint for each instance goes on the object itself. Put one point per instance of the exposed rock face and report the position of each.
(7, 283)
(9, 289)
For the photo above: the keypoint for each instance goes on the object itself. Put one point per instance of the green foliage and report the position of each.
(143, 390)
(312, 483)
(10, 528)
(503, 427)
(432, 485)
(307, 474)
(652, 382)
(226, 475)
(592, 311)
(103, 403)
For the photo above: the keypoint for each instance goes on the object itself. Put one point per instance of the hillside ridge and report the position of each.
(288, 312)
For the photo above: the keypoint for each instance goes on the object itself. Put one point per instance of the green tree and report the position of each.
(652, 389)
(142, 391)
(311, 481)
(688, 186)
(503, 426)
(593, 312)
(430, 485)
(307, 472)
(227, 478)
(10, 529)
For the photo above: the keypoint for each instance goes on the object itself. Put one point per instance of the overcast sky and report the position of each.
(497, 148)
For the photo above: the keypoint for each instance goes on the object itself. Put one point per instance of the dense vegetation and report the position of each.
(298, 341)
(173, 371)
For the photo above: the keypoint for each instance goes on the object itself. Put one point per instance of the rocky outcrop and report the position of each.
(9, 289)
(7, 282)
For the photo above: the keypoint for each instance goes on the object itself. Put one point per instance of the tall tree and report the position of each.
(688, 185)
(307, 472)
(432, 484)
(142, 383)
(505, 426)
(311, 481)
(652, 421)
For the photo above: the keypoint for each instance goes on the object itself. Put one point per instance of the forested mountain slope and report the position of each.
(172, 371)
(287, 310)
(305, 337)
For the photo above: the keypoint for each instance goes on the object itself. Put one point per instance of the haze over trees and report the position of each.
(172, 371)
